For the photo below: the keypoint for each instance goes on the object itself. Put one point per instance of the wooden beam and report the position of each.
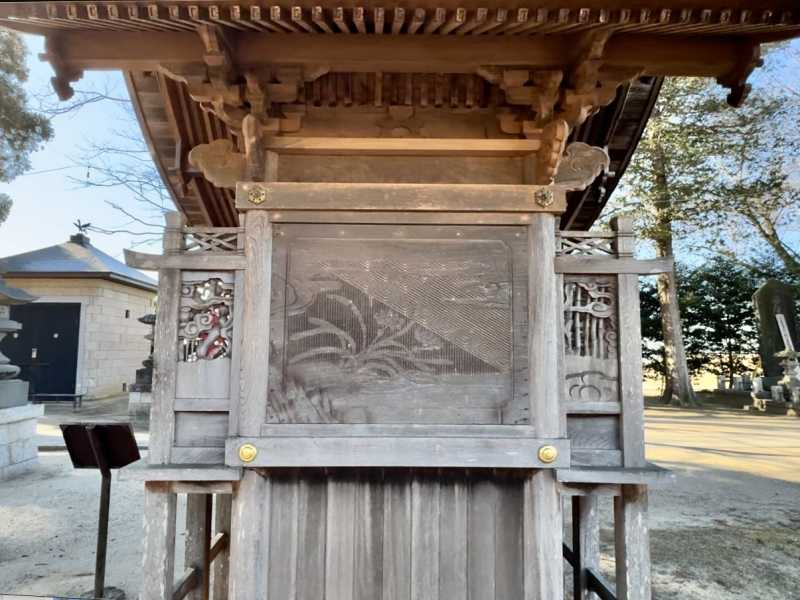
(142, 51)
(203, 261)
(399, 197)
(586, 265)
(401, 146)
(399, 451)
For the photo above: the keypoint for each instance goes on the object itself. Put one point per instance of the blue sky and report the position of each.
(47, 201)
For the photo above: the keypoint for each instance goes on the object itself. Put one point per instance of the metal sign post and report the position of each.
(102, 446)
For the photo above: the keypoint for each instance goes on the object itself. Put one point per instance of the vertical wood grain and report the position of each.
(340, 539)
(632, 544)
(165, 353)
(250, 548)
(197, 542)
(397, 538)
(630, 372)
(481, 542)
(255, 313)
(369, 538)
(159, 542)
(284, 520)
(585, 542)
(312, 512)
(544, 576)
(508, 560)
(453, 522)
(630, 352)
(220, 566)
(424, 539)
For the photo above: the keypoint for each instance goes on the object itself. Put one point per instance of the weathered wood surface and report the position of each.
(140, 471)
(393, 535)
(207, 261)
(543, 568)
(197, 543)
(256, 317)
(585, 543)
(650, 475)
(221, 556)
(402, 146)
(400, 218)
(322, 450)
(598, 265)
(159, 542)
(398, 197)
(632, 544)
(250, 538)
(165, 355)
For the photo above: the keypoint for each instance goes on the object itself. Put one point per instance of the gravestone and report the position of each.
(771, 299)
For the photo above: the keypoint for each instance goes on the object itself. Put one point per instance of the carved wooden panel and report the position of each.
(205, 333)
(379, 324)
(590, 338)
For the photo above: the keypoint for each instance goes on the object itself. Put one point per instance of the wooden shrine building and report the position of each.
(387, 348)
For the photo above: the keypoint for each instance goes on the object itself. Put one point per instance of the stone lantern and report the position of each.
(18, 451)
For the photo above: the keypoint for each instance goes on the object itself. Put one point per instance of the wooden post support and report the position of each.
(198, 542)
(102, 521)
(630, 355)
(542, 535)
(585, 543)
(632, 543)
(159, 542)
(165, 356)
(250, 523)
(221, 564)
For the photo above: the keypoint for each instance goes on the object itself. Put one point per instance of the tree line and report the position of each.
(717, 187)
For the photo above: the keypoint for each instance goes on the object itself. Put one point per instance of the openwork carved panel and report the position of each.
(206, 316)
(590, 338)
(375, 324)
(212, 239)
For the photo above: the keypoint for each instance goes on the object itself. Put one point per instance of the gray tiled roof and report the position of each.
(75, 258)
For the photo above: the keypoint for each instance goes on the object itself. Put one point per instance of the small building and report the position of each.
(81, 335)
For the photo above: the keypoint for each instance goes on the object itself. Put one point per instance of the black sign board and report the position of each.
(116, 444)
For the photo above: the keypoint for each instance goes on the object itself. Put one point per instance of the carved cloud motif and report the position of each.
(219, 163)
(580, 166)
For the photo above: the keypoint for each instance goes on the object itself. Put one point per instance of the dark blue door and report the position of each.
(47, 346)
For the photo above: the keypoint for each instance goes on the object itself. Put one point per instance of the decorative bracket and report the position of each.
(580, 166)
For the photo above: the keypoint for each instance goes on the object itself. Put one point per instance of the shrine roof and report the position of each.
(290, 57)
(76, 258)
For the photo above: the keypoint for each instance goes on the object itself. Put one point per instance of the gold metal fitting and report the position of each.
(257, 195)
(247, 453)
(548, 454)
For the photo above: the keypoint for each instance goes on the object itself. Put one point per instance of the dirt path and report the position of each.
(728, 529)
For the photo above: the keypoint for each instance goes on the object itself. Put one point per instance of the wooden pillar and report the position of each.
(222, 524)
(544, 572)
(632, 542)
(198, 542)
(585, 543)
(250, 518)
(250, 522)
(158, 564)
(630, 354)
(165, 355)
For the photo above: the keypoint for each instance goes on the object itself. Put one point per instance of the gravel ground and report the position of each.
(728, 529)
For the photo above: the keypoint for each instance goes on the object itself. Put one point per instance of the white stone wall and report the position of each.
(111, 347)
(18, 450)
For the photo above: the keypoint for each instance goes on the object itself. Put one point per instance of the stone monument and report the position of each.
(774, 304)
(18, 450)
(140, 395)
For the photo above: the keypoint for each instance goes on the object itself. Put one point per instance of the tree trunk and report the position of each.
(678, 384)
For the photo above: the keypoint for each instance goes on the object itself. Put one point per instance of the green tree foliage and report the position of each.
(719, 326)
(22, 131)
(5, 207)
